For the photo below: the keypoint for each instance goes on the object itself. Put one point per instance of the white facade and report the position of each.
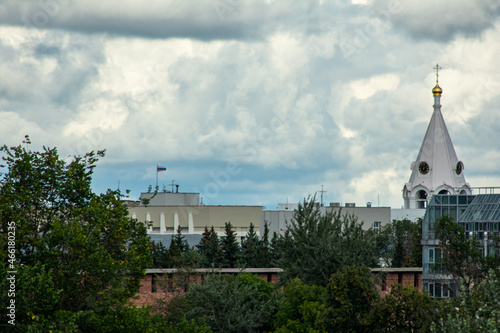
(166, 212)
(279, 219)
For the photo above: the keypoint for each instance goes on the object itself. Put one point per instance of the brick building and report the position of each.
(165, 283)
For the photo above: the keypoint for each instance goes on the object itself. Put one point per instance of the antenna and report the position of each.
(322, 191)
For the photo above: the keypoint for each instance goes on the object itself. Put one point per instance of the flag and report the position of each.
(160, 168)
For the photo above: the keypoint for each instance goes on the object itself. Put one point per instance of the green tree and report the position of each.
(209, 249)
(475, 312)
(250, 249)
(462, 257)
(243, 303)
(180, 241)
(264, 250)
(300, 308)
(230, 248)
(178, 250)
(318, 245)
(214, 254)
(203, 245)
(350, 296)
(398, 243)
(160, 255)
(404, 309)
(88, 253)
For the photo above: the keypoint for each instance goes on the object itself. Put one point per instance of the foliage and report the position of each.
(318, 245)
(404, 309)
(475, 312)
(232, 303)
(300, 308)
(264, 250)
(398, 243)
(350, 295)
(250, 248)
(230, 248)
(160, 255)
(210, 249)
(462, 257)
(121, 318)
(87, 252)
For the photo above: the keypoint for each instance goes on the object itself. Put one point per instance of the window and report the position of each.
(431, 256)
(377, 225)
(431, 289)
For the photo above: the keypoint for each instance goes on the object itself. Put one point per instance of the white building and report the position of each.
(279, 219)
(168, 211)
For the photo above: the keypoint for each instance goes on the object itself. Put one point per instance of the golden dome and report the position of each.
(437, 90)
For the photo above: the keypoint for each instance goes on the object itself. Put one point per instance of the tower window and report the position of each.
(421, 199)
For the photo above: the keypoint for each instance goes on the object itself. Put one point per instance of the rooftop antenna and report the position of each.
(322, 191)
(173, 184)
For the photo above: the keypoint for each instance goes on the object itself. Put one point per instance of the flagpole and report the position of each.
(156, 188)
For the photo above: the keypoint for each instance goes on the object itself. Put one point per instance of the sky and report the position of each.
(253, 102)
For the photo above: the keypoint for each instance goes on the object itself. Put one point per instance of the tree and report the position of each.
(475, 312)
(300, 308)
(230, 247)
(209, 249)
(160, 255)
(319, 245)
(398, 243)
(242, 303)
(461, 257)
(88, 253)
(264, 250)
(180, 241)
(250, 249)
(178, 249)
(350, 295)
(404, 309)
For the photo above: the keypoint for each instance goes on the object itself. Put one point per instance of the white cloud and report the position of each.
(267, 86)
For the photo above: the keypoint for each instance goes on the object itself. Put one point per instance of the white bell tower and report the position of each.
(437, 169)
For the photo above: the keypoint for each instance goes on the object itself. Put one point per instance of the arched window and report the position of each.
(444, 192)
(421, 199)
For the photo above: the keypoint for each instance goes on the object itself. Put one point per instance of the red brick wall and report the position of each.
(385, 281)
(164, 284)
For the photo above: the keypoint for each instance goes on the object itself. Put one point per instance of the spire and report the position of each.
(437, 168)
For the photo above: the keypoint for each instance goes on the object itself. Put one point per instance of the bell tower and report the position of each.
(437, 169)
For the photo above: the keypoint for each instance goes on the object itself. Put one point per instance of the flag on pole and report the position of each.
(160, 168)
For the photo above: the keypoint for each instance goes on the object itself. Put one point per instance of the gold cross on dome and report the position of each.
(437, 68)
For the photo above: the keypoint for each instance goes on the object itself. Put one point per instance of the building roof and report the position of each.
(484, 208)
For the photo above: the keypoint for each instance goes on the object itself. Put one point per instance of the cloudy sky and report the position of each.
(253, 102)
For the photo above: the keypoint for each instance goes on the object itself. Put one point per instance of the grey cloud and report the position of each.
(202, 20)
(442, 20)
(48, 88)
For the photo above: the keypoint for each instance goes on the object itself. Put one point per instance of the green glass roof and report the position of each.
(484, 208)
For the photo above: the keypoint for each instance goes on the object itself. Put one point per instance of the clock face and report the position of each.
(459, 167)
(423, 168)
